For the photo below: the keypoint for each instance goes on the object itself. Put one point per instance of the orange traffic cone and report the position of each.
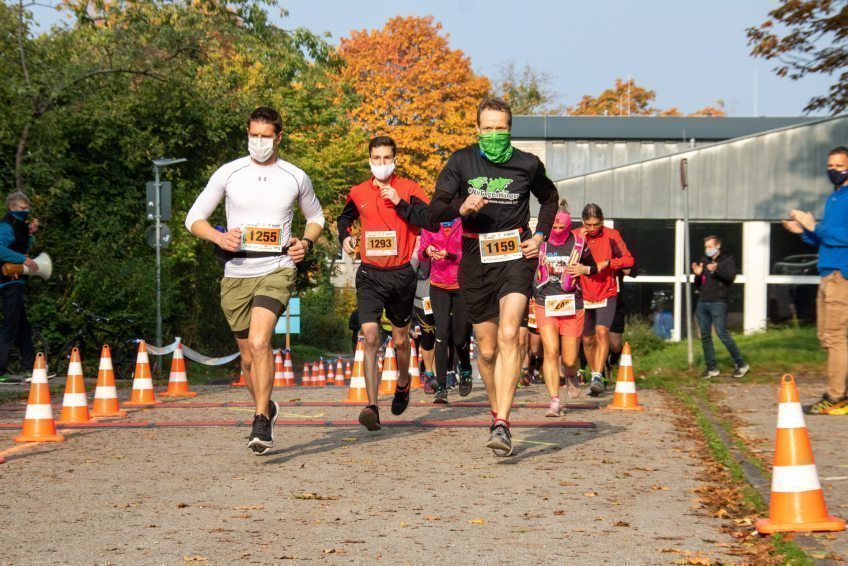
(105, 394)
(797, 501)
(142, 391)
(347, 371)
(178, 380)
(288, 371)
(241, 382)
(279, 377)
(625, 398)
(75, 403)
(340, 380)
(414, 372)
(357, 393)
(331, 374)
(306, 380)
(389, 375)
(38, 420)
(322, 380)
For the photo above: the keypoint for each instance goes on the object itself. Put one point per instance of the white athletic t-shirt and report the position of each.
(258, 194)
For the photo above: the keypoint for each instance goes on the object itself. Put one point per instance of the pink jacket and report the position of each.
(443, 272)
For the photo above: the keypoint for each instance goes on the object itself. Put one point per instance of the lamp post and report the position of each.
(158, 164)
(684, 184)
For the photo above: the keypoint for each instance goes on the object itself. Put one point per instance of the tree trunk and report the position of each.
(19, 158)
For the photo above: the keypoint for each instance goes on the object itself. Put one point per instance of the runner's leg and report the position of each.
(371, 331)
(262, 322)
(508, 362)
(550, 368)
(403, 351)
(487, 353)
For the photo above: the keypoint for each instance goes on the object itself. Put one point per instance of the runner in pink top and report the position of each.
(444, 250)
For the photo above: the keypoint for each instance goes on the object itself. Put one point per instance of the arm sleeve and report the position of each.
(208, 200)
(426, 240)
(726, 271)
(810, 238)
(346, 219)
(7, 237)
(833, 236)
(415, 211)
(446, 202)
(625, 259)
(589, 261)
(545, 190)
(308, 201)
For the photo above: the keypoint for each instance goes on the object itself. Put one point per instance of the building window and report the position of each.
(792, 303)
(652, 244)
(789, 255)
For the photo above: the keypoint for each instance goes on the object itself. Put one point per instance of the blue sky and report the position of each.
(691, 53)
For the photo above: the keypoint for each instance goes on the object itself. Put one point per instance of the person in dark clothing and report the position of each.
(714, 275)
(16, 237)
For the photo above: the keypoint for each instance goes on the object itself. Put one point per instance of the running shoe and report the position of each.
(596, 386)
(823, 406)
(7, 379)
(465, 382)
(708, 373)
(500, 440)
(429, 383)
(555, 410)
(441, 396)
(261, 437)
(840, 408)
(740, 371)
(369, 417)
(572, 386)
(451, 379)
(401, 399)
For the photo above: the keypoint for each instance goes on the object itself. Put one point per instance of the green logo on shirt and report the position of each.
(492, 189)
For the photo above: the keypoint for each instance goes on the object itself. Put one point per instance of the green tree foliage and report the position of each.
(87, 106)
(527, 90)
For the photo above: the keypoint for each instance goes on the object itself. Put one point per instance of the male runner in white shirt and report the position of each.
(260, 192)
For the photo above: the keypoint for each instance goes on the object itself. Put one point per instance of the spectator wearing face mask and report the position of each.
(714, 275)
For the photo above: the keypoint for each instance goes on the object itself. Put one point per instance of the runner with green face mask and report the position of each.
(489, 185)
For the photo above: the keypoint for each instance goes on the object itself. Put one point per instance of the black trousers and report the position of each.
(452, 329)
(15, 328)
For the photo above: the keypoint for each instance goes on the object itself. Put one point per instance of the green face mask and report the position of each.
(496, 146)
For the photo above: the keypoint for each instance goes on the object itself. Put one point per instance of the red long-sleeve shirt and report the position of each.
(377, 214)
(606, 244)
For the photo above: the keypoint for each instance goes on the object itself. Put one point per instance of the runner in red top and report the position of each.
(600, 290)
(390, 210)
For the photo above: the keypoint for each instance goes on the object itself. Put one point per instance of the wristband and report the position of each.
(310, 243)
(542, 234)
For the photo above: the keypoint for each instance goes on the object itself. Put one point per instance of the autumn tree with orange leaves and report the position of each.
(627, 98)
(416, 89)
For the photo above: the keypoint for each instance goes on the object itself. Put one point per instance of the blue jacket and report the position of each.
(831, 234)
(7, 254)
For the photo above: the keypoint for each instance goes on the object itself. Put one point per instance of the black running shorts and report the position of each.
(392, 289)
(484, 284)
(618, 319)
(603, 316)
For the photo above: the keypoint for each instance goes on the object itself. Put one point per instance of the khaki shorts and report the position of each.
(240, 294)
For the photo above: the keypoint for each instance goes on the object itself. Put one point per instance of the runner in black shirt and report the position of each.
(489, 184)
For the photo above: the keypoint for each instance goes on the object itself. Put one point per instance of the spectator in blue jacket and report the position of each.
(830, 236)
(16, 237)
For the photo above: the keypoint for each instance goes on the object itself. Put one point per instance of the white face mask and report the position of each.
(260, 149)
(383, 172)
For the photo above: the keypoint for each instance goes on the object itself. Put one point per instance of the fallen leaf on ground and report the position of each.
(659, 488)
(567, 484)
(559, 512)
(621, 524)
(590, 494)
(248, 508)
(195, 559)
(316, 497)
(477, 521)
(432, 518)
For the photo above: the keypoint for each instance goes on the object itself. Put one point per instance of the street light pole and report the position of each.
(684, 184)
(157, 165)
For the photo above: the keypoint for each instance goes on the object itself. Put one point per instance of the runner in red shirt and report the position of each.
(390, 210)
(600, 290)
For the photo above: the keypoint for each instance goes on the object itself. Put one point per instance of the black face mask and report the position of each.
(838, 178)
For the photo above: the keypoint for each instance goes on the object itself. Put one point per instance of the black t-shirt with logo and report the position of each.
(507, 186)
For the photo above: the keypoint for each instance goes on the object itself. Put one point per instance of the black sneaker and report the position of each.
(261, 437)
(429, 384)
(273, 412)
(401, 399)
(500, 440)
(596, 386)
(465, 383)
(369, 417)
(441, 396)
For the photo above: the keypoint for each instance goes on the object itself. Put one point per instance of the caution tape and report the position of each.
(193, 355)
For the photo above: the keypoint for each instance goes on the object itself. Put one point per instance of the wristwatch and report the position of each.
(310, 244)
